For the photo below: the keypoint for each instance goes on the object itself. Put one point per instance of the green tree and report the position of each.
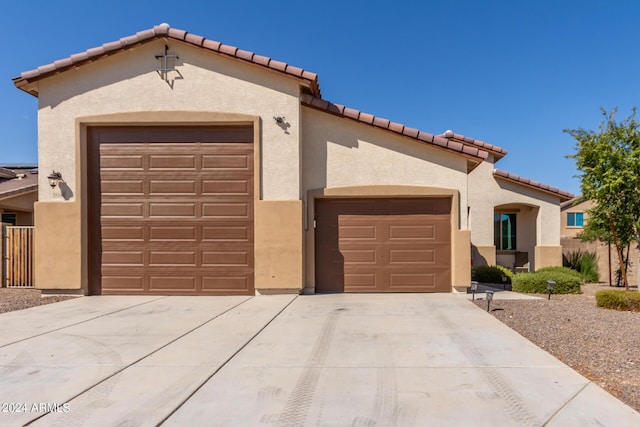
(609, 163)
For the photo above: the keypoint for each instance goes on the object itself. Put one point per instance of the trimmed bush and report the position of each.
(489, 274)
(618, 300)
(567, 281)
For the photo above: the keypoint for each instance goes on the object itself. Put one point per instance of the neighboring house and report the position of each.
(574, 217)
(193, 167)
(18, 193)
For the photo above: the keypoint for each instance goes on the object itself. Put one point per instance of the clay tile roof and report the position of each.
(164, 31)
(507, 176)
(424, 137)
(493, 149)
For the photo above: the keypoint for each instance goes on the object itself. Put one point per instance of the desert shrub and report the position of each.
(588, 267)
(567, 281)
(584, 262)
(489, 274)
(618, 300)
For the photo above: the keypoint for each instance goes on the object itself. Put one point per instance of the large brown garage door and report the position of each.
(383, 245)
(171, 210)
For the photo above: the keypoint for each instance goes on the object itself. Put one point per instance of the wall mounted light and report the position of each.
(280, 119)
(54, 178)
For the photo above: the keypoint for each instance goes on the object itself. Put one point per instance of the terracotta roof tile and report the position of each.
(424, 136)
(229, 50)
(563, 195)
(494, 149)
(278, 65)
(397, 128)
(211, 45)
(194, 39)
(159, 31)
(412, 132)
(367, 118)
(176, 33)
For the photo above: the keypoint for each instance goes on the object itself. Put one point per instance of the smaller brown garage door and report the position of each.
(383, 245)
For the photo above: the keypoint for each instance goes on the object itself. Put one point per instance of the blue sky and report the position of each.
(511, 73)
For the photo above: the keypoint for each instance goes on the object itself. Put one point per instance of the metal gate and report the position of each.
(18, 257)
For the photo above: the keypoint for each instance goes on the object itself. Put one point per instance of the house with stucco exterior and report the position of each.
(191, 167)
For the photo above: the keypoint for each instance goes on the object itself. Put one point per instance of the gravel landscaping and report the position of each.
(12, 299)
(603, 345)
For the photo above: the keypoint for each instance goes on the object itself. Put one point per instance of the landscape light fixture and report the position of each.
(474, 288)
(550, 285)
(54, 178)
(504, 282)
(489, 298)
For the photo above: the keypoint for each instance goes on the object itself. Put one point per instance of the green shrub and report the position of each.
(618, 300)
(584, 262)
(490, 274)
(588, 267)
(567, 281)
(506, 272)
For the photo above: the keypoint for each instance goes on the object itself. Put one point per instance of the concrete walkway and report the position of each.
(326, 360)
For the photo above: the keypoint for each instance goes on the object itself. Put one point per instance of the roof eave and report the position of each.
(474, 155)
(307, 78)
(562, 195)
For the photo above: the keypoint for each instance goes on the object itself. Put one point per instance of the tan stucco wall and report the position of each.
(486, 192)
(126, 89)
(58, 253)
(579, 207)
(128, 82)
(483, 255)
(279, 252)
(548, 256)
(461, 271)
(340, 152)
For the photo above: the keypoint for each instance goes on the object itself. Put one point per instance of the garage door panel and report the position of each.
(226, 161)
(163, 162)
(123, 187)
(225, 210)
(123, 210)
(353, 232)
(121, 163)
(115, 283)
(174, 210)
(358, 281)
(226, 187)
(123, 258)
(172, 283)
(172, 233)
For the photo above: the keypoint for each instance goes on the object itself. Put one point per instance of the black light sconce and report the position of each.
(54, 178)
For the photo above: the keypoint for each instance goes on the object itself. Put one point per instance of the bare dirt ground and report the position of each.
(603, 345)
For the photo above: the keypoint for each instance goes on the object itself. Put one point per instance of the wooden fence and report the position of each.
(18, 257)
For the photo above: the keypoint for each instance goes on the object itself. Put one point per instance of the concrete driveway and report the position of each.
(326, 360)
